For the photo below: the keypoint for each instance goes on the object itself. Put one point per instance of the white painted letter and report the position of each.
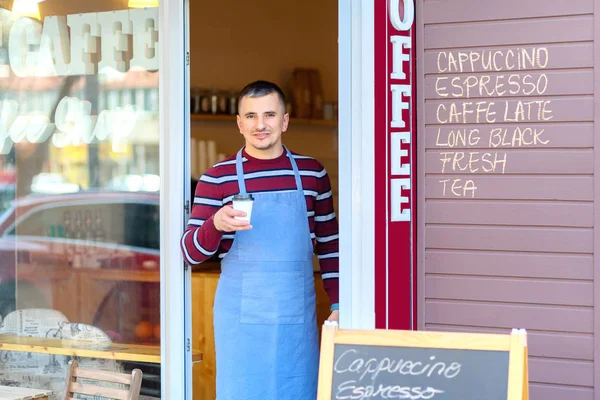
(25, 32)
(145, 38)
(398, 105)
(115, 26)
(409, 14)
(84, 35)
(397, 153)
(54, 55)
(399, 43)
(398, 199)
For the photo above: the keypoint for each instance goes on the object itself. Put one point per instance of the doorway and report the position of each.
(292, 45)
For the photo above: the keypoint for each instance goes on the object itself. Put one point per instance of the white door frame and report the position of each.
(356, 163)
(356, 171)
(174, 129)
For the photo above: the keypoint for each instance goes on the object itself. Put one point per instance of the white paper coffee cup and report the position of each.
(243, 202)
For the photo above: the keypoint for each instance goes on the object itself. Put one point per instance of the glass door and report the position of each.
(82, 189)
(92, 183)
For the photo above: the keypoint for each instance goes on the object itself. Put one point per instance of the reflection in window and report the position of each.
(127, 224)
(113, 100)
(79, 198)
(139, 99)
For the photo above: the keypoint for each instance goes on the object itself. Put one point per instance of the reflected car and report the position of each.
(45, 237)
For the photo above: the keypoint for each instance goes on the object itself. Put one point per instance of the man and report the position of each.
(264, 314)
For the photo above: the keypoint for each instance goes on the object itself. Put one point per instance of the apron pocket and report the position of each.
(272, 298)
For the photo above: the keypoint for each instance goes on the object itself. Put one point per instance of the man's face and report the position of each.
(262, 120)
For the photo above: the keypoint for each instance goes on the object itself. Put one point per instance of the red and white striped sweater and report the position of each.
(216, 188)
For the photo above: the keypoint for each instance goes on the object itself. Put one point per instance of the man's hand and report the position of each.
(224, 220)
(335, 316)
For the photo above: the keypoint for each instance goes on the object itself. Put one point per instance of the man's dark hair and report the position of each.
(260, 89)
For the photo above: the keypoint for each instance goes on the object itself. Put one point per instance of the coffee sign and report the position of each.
(82, 44)
(394, 162)
(422, 365)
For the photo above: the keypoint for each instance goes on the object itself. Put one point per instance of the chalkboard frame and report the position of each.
(514, 343)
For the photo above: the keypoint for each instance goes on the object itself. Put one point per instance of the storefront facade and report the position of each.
(466, 177)
(495, 123)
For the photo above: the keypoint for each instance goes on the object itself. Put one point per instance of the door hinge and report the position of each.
(187, 58)
(186, 207)
(187, 346)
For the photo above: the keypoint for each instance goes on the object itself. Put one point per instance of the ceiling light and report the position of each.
(26, 8)
(142, 3)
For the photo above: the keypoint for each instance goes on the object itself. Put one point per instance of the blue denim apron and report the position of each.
(266, 334)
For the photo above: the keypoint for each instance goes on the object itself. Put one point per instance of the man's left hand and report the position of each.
(335, 316)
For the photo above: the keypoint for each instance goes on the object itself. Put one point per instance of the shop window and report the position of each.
(102, 100)
(126, 97)
(79, 233)
(113, 100)
(139, 99)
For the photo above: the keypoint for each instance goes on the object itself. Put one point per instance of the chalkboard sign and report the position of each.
(383, 364)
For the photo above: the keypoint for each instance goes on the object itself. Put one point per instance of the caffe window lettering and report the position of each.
(71, 46)
(45, 50)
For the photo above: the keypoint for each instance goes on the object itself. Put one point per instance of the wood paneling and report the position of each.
(551, 391)
(581, 373)
(577, 346)
(454, 11)
(518, 250)
(555, 240)
(531, 317)
(513, 290)
(523, 264)
(515, 32)
(488, 212)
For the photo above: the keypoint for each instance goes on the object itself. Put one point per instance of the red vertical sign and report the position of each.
(395, 165)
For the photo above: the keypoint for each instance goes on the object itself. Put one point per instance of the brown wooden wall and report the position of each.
(507, 220)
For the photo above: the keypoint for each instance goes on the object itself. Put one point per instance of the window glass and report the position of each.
(134, 225)
(79, 187)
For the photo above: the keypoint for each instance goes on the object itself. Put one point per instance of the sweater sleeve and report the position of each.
(200, 240)
(327, 236)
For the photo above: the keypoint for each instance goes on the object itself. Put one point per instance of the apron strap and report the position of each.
(296, 171)
(239, 169)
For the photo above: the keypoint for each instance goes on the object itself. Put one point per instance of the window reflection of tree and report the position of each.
(31, 157)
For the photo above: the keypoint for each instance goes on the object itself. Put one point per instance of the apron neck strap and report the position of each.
(239, 169)
(296, 171)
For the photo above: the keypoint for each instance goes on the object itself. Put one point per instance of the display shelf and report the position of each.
(230, 118)
(80, 348)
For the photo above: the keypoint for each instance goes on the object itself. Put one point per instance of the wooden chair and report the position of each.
(73, 386)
